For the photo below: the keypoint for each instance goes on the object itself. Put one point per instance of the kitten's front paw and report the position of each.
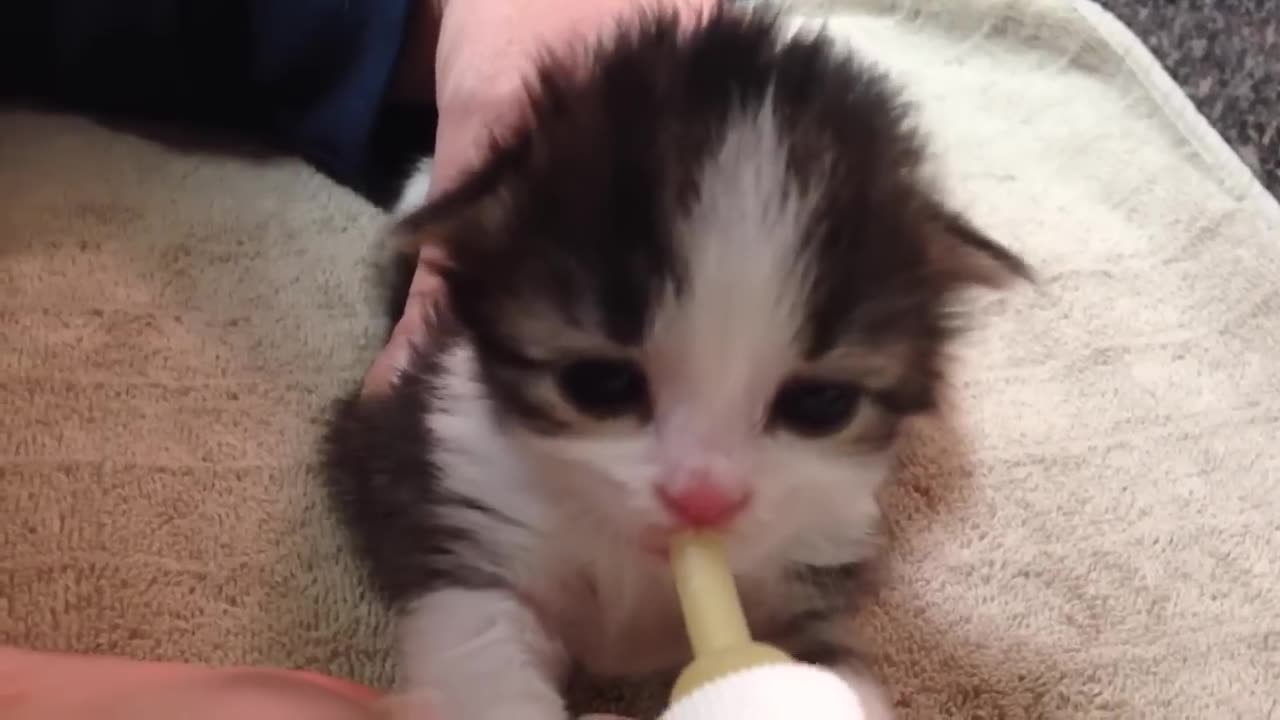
(874, 699)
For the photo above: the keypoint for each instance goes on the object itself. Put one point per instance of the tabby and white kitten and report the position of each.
(701, 287)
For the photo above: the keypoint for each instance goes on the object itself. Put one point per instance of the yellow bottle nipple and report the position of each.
(713, 615)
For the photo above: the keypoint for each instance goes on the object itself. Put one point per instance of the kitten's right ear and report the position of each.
(452, 219)
(474, 213)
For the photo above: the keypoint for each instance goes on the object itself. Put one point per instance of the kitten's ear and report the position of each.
(473, 214)
(964, 255)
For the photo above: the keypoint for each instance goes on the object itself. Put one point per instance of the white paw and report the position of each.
(874, 699)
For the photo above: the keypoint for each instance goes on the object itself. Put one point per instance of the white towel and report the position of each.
(1095, 531)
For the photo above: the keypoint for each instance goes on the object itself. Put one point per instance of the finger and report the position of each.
(411, 333)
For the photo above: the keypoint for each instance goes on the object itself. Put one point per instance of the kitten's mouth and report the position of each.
(655, 541)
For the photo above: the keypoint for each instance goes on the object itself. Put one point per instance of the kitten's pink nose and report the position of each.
(701, 501)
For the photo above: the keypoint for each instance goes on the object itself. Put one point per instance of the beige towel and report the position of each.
(1096, 531)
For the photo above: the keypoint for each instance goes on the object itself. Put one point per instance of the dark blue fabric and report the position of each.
(307, 76)
(334, 60)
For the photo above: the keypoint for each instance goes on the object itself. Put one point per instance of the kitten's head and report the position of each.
(708, 279)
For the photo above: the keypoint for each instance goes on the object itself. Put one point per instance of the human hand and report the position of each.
(49, 686)
(485, 53)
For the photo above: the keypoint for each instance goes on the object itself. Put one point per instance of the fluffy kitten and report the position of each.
(702, 286)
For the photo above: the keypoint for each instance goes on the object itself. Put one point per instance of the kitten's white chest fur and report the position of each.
(616, 613)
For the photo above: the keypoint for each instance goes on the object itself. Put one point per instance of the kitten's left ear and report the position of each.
(964, 255)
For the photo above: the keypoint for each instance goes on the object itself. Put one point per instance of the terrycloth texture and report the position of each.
(1226, 55)
(1093, 531)
(172, 327)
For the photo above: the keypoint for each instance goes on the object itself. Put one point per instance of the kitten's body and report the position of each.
(712, 264)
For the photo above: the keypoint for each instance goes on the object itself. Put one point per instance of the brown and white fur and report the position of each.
(711, 266)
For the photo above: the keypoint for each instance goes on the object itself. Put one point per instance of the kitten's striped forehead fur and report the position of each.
(728, 207)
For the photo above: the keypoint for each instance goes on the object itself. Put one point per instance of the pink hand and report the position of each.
(45, 686)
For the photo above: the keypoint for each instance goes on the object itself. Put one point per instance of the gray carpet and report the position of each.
(1226, 56)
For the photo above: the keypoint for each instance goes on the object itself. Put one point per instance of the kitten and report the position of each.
(701, 287)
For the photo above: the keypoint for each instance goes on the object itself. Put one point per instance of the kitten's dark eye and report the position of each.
(813, 407)
(603, 387)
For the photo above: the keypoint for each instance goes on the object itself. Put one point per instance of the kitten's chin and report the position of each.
(654, 544)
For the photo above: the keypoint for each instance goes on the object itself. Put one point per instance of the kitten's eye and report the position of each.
(604, 388)
(813, 407)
